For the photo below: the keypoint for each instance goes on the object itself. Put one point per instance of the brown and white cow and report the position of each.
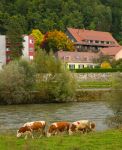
(83, 126)
(29, 127)
(58, 127)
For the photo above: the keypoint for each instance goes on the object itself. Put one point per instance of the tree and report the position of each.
(16, 88)
(117, 63)
(105, 65)
(56, 40)
(38, 37)
(15, 36)
(54, 83)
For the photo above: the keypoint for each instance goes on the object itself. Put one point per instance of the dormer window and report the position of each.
(77, 57)
(66, 57)
(96, 41)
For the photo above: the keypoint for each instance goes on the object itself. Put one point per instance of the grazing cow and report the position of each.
(83, 126)
(29, 127)
(58, 127)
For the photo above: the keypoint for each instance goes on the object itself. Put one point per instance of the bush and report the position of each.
(16, 83)
(96, 70)
(54, 83)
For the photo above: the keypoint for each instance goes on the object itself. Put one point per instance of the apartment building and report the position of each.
(90, 40)
(28, 50)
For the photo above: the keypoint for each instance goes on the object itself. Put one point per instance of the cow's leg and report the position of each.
(41, 132)
(26, 136)
(31, 135)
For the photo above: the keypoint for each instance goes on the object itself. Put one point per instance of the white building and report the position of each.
(28, 50)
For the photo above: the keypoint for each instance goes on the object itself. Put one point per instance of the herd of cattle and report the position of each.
(83, 126)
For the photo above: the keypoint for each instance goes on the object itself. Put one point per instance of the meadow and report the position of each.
(104, 140)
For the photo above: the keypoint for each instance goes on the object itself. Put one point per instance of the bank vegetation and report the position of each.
(43, 80)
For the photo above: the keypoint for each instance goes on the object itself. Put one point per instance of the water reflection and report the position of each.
(12, 117)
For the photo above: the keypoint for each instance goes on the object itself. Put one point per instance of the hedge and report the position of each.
(96, 70)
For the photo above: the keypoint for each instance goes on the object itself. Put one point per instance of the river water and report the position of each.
(14, 116)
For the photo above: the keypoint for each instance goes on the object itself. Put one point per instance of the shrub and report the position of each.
(16, 83)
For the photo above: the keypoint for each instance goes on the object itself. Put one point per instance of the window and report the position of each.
(66, 57)
(7, 49)
(8, 57)
(80, 66)
(31, 57)
(102, 42)
(77, 57)
(31, 41)
(96, 41)
(31, 49)
(85, 58)
(72, 66)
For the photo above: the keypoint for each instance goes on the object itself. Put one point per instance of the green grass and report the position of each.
(95, 84)
(107, 140)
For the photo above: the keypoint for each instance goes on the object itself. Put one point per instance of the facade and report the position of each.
(28, 50)
(89, 40)
(112, 52)
(77, 60)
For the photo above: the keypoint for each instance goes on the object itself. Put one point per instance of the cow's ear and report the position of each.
(17, 131)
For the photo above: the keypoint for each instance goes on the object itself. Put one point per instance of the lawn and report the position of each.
(107, 140)
(95, 84)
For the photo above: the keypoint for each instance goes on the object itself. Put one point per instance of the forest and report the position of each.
(47, 15)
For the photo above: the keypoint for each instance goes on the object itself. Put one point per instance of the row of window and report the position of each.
(66, 58)
(80, 66)
(99, 42)
(30, 49)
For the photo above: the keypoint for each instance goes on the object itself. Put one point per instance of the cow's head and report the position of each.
(19, 134)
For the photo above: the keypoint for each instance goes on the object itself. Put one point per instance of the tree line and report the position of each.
(47, 15)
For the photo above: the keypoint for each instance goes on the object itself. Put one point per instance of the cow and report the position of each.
(83, 126)
(29, 127)
(58, 127)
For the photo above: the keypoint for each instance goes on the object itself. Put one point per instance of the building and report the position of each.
(89, 40)
(28, 50)
(77, 60)
(112, 52)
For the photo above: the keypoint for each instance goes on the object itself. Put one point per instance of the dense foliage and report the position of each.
(14, 35)
(43, 80)
(46, 15)
(56, 40)
(38, 37)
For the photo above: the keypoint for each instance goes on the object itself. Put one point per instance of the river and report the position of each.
(13, 116)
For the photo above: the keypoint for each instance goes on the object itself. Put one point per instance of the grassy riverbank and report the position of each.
(107, 140)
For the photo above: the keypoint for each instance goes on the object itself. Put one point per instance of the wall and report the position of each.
(94, 76)
(2, 50)
(119, 55)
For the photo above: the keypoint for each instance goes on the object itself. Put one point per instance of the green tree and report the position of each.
(15, 36)
(38, 37)
(54, 83)
(16, 88)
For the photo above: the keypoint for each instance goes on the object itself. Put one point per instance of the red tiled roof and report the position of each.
(77, 57)
(111, 51)
(82, 34)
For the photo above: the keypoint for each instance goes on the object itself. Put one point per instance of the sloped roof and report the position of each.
(111, 51)
(82, 34)
(77, 57)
